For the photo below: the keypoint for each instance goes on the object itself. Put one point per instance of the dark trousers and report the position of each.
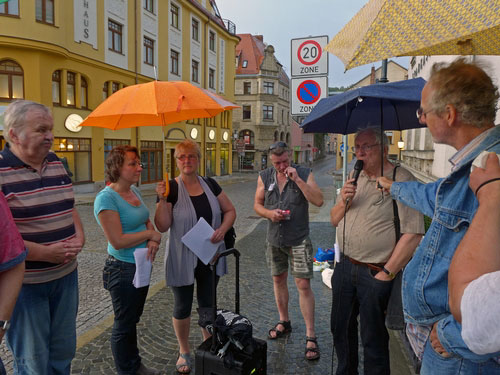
(128, 304)
(356, 291)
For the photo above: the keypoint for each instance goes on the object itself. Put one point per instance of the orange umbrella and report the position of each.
(154, 103)
(219, 99)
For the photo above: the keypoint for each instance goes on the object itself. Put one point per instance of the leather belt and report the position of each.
(373, 266)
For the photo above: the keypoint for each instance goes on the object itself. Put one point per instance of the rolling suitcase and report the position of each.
(248, 360)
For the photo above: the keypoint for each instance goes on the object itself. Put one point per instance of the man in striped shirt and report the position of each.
(42, 335)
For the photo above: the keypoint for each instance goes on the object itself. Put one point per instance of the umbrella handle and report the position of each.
(167, 185)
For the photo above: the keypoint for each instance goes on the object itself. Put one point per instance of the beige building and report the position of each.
(70, 55)
(262, 89)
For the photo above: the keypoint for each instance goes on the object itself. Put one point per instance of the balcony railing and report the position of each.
(230, 26)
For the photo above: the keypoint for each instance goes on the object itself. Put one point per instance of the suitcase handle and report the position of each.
(225, 253)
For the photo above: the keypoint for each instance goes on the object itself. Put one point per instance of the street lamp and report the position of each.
(401, 145)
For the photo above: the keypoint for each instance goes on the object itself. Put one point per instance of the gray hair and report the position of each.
(15, 115)
(468, 88)
(377, 133)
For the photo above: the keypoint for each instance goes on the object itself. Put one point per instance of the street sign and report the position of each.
(240, 146)
(308, 57)
(306, 93)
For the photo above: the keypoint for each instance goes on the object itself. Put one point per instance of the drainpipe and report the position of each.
(135, 68)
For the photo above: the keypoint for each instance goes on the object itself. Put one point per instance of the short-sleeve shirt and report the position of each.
(200, 202)
(132, 218)
(370, 230)
(12, 249)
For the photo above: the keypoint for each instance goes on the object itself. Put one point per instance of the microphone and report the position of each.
(358, 167)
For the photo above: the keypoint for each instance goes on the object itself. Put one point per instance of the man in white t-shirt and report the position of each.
(474, 274)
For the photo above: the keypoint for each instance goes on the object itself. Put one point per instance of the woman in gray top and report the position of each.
(189, 198)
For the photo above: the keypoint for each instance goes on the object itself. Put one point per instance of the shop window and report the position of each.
(174, 16)
(83, 93)
(224, 159)
(10, 8)
(114, 36)
(11, 81)
(70, 89)
(76, 157)
(110, 143)
(174, 62)
(152, 161)
(149, 51)
(248, 161)
(210, 160)
(45, 11)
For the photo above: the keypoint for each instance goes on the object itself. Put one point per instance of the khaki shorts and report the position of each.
(300, 258)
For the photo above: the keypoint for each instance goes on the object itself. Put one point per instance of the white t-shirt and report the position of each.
(480, 308)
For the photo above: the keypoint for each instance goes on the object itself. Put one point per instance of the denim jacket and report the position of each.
(451, 204)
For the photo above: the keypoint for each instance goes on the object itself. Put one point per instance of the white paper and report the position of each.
(198, 241)
(142, 268)
(337, 253)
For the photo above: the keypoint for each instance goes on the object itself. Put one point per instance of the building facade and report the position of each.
(71, 55)
(262, 89)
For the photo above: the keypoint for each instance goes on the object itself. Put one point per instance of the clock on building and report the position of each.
(194, 133)
(72, 123)
(211, 134)
(225, 136)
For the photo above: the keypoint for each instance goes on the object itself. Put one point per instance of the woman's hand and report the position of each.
(218, 235)
(155, 236)
(153, 248)
(161, 188)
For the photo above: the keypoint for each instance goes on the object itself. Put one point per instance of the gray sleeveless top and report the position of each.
(180, 262)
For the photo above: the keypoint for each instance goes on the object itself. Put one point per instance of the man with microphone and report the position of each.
(373, 250)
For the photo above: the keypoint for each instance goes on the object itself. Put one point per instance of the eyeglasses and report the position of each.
(364, 148)
(278, 144)
(421, 114)
(185, 157)
(136, 164)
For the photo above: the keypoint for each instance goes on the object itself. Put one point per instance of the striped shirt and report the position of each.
(42, 206)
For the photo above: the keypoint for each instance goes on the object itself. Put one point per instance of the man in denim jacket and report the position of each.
(458, 105)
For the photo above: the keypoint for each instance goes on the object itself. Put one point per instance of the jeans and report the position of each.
(354, 287)
(128, 304)
(2, 368)
(42, 335)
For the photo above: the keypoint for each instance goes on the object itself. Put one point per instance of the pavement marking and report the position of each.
(93, 333)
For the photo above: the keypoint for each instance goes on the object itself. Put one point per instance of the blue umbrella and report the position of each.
(390, 105)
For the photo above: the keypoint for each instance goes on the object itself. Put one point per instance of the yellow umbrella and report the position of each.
(388, 28)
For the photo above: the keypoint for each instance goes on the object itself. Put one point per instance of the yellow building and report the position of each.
(70, 55)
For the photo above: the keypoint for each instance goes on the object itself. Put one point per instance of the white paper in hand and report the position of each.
(142, 268)
(198, 241)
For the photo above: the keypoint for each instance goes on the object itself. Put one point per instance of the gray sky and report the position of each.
(282, 20)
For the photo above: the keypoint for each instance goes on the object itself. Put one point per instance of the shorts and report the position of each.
(300, 258)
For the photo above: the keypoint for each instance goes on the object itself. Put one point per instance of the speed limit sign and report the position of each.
(308, 57)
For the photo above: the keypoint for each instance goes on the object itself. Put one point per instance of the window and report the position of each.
(115, 86)
(195, 25)
(174, 62)
(114, 36)
(211, 78)
(110, 143)
(83, 93)
(149, 5)
(70, 89)
(194, 71)
(152, 161)
(11, 80)
(276, 136)
(247, 112)
(245, 63)
(75, 153)
(149, 51)
(248, 137)
(10, 8)
(268, 88)
(211, 41)
(105, 90)
(45, 11)
(174, 13)
(268, 112)
(56, 87)
(247, 88)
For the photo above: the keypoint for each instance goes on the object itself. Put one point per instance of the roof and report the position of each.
(250, 49)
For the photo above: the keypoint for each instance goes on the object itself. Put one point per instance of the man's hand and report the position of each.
(382, 276)
(383, 183)
(348, 191)
(291, 173)
(479, 176)
(277, 215)
(436, 344)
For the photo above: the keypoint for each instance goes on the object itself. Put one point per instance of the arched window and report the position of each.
(282, 136)
(83, 93)
(56, 87)
(287, 138)
(11, 81)
(248, 137)
(276, 135)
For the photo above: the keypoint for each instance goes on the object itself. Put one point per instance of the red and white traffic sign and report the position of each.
(306, 93)
(308, 58)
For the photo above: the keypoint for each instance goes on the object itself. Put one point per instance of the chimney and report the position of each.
(372, 76)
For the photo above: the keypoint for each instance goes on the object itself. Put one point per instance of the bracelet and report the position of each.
(389, 273)
(484, 183)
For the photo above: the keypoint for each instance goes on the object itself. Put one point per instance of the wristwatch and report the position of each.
(4, 325)
(389, 273)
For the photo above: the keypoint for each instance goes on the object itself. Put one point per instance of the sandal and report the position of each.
(187, 358)
(312, 350)
(279, 333)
